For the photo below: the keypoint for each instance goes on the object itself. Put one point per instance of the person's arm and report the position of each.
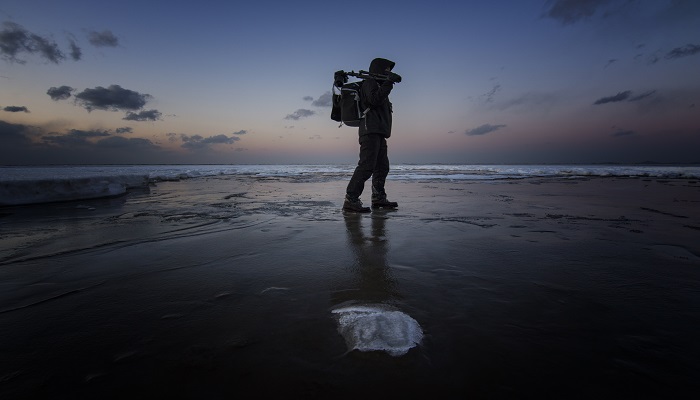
(375, 93)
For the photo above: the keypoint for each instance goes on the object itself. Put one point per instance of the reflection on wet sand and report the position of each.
(373, 279)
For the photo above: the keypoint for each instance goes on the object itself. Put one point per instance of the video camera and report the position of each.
(341, 77)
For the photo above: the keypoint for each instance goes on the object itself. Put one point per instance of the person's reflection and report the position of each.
(374, 282)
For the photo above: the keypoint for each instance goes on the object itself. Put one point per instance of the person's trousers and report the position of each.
(374, 162)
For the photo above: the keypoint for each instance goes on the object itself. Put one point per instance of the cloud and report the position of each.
(571, 11)
(651, 59)
(87, 134)
(483, 129)
(642, 96)
(610, 62)
(60, 93)
(150, 115)
(75, 53)
(685, 51)
(74, 138)
(621, 133)
(103, 39)
(621, 96)
(48, 49)
(300, 113)
(308, 98)
(489, 96)
(118, 142)
(15, 40)
(325, 100)
(16, 109)
(241, 132)
(12, 135)
(125, 129)
(530, 101)
(25, 144)
(199, 142)
(113, 98)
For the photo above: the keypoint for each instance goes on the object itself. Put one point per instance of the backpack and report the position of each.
(347, 105)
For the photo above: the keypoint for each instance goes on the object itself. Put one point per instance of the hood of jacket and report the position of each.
(379, 65)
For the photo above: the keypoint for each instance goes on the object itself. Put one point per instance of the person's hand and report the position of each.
(392, 77)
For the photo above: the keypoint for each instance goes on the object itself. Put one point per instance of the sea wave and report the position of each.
(32, 185)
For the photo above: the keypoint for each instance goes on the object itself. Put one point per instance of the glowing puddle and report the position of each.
(376, 327)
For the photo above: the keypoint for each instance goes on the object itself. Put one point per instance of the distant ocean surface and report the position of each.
(32, 185)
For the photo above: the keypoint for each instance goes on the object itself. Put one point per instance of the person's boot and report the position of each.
(354, 205)
(382, 202)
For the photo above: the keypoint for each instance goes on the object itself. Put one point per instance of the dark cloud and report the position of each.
(118, 142)
(530, 101)
(150, 115)
(48, 49)
(241, 132)
(621, 96)
(87, 134)
(103, 39)
(74, 138)
(125, 129)
(308, 98)
(199, 142)
(26, 145)
(621, 133)
(325, 100)
(483, 130)
(490, 95)
(113, 98)
(571, 11)
(610, 62)
(16, 109)
(12, 135)
(642, 96)
(60, 93)
(685, 51)
(75, 52)
(15, 40)
(300, 113)
(651, 59)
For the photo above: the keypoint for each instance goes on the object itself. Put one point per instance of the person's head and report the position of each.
(381, 66)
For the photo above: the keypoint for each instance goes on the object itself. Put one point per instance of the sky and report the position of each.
(209, 82)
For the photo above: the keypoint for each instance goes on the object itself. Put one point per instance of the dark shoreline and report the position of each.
(225, 286)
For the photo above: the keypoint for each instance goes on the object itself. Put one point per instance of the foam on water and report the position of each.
(20, 192)
(376, 327)
(29, 185)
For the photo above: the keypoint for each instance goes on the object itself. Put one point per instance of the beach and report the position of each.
(230, 285)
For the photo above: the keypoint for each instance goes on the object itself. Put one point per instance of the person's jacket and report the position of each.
(375, 96)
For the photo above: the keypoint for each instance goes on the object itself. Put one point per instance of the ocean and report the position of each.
(31, 185)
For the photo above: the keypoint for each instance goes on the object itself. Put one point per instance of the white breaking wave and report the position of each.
(20, 192)
(31, 185)
(376, 327)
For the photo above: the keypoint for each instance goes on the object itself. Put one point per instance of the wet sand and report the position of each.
(220, 287)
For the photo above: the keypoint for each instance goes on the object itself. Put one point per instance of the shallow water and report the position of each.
(222, 286)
